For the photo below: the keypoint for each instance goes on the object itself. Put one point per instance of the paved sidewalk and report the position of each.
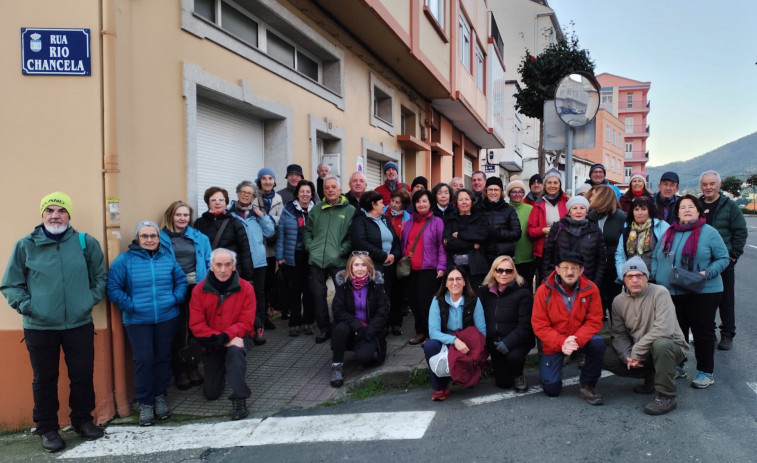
(291, 372)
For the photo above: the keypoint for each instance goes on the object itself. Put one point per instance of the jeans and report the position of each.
(660, 364)
(697, 312)
(550, 366)
(318, 290)
(79, 354)
(151, 352)
(226, 361)
(727, 304)
(430, 348)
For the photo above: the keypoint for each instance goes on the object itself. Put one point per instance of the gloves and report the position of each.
(214, 340)
(501, 347)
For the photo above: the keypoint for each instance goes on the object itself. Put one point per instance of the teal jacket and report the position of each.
(327, 233)
(54, 285)
(729, 221)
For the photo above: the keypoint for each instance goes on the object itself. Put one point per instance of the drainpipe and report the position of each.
(110, 185)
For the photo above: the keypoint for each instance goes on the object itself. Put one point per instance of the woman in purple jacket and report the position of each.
(423, 241)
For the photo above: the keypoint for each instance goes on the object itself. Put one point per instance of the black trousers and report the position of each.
(727, 304)
(301, 307)
(344, 339)
(79, 353)
(697, 312)
(317, 280)
(508, 366)
(259, 278)
(183, 334)
(424, 285)
(226, 361)
(526, 270)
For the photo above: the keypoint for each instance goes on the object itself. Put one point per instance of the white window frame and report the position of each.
(630, 100)
(384, 95)
(628, 121)
(480, 81)
(464, 39)
(437, 9)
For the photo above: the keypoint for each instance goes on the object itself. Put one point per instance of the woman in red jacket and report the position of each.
(544, 214)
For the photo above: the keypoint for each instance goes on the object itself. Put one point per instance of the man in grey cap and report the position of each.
(646, 339)
(666, 196)
(293, 177)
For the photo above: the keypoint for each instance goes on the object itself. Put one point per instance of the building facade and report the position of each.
(608, 147)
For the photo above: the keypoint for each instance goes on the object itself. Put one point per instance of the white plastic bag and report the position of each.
(439, 363)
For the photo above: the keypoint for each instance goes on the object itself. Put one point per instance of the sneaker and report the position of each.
(146, 415)
(52, 442)
(259, 337)
(294, 331)
(702, 380)
(647, 387)
(520, 384)
(680, 372)
(726, 342)
(438, 396)
(161, 407)
(89, 431)
(337, 379)
(307, 330)
(590, 395)
(239, 409)
(660, 405)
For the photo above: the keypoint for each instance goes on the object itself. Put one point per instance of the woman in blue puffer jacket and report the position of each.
(148, 285)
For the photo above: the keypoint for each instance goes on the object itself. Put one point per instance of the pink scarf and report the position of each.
(690, 248)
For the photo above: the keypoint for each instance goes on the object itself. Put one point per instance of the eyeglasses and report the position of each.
(360, 253)
(246, 193)
(634, 276)
(500, 271)
(148, 237)
(517, 192)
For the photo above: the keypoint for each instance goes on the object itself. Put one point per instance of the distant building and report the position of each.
(608, 147)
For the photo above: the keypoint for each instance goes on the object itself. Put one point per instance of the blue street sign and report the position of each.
(55, 52)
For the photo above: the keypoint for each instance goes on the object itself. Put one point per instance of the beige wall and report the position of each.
(435, 49)
(400, 10)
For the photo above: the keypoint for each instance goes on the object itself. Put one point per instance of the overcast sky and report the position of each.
(698, 55)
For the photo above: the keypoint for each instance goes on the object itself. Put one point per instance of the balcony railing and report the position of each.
(637, 130)
(635, 107)
(637, 155)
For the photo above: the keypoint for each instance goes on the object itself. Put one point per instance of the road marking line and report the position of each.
(135, 440)
(752, 386)
(512, 394)
(752, 246)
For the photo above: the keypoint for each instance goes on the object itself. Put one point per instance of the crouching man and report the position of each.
(647, 341)
(221, 314)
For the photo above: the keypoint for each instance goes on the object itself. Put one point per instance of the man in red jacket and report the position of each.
(221, 314)
(567, 317)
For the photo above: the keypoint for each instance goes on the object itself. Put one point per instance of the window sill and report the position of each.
(438, 27)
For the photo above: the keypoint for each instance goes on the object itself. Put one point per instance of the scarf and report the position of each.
(221, 212)
(641, 192)
(575, 226)
(243, 211)
(391, 186)
(420, 218)
(690, 248)
(553, 199)
(396, 213)
(358, 283)
(220, 286)
(268, 200)
(638, 238)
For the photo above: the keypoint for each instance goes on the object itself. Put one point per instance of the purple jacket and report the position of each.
(434, 255)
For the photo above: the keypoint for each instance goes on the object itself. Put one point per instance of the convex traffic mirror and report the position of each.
(577, 99)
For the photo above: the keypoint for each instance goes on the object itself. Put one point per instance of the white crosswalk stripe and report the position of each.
(752, 386)
(134, 440)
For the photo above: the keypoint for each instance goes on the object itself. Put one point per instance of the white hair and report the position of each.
(217, 251)
(710, 172)
(332, 177)
(323, 165)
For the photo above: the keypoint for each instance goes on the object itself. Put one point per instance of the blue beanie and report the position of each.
(265, 171)
(391, 165)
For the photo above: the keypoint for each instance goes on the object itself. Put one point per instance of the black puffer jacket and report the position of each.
(234, 238)
(612, 233)
(508, 316)
(502, 228)
(343, 308)
(366, 236)
(587, 241)
(469, 232)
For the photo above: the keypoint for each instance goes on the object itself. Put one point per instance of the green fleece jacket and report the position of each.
(729, 221)
(327, 233)
(638, 321)
(524, 248)
(53, 285)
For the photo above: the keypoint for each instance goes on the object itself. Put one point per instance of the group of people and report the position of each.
(486, 272)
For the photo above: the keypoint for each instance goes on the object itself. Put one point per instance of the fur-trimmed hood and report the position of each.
(339, 279)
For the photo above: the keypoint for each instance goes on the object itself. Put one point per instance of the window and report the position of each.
(206, 9)
(607, 98)
(407, 121)
(382, 105)
(629, 124)
(630, 100)
(436, 8)
(465, 41)
(629, 148)
(607, 132)
(480, 68)
(239, 24)
(628, 173)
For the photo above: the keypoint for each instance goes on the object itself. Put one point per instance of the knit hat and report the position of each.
(535, 178)
(553, 173)
(583, 189)
(420, 181)
(294, 169)
(494, 181)
(576, 201)
(391, 165)
(57, 199)
(639, 175)
(146, 223)
(635, 263)
(515, 184)
(598, 166)
(266, 171)
(572, 257)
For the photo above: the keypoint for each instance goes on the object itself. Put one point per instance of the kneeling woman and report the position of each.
(361, 314)
(148, 286)
(507, 302)
(453, 310)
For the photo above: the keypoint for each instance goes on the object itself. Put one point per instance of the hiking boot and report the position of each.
(646, 388)
(417, 339)
(703, 380)
(89, 431)
(660, 405)
(590, 395)
(183, 382)
(520, 384)
(52, 442)
(726, 342)
(294, 331)
(259, 337)
(680, 372)
(161, 407)
(196, 377)
(337, 379)
(146, 415)
(438, 396)
(239, 409)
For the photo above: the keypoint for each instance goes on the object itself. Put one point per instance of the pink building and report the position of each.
(608, 146)
(627, 99)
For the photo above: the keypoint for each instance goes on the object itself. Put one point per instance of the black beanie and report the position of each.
(494, 181)
(535, 178)
(420, 181)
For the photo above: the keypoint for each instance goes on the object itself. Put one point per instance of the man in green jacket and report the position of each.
(54, 278)
(328, 243)
(725, 216)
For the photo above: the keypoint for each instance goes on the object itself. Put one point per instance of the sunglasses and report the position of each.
(500, 271)
(359, 253)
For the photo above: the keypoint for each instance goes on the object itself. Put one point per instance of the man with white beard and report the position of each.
(54, 278)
